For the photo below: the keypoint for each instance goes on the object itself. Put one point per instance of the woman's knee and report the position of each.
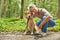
(38, 22)
(52, 22)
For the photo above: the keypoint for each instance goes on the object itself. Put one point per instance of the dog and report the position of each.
(30, 24)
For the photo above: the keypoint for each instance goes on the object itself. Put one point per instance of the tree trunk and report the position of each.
(22, 6)
(1, 6)
(58, 13)
(44, 1)
(6, 8)
(35, 2)
(39, 3)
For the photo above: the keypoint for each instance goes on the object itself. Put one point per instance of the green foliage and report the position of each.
(36, 19)
(14, 6)
(13, 12)
(57, 27)
(13, 24)
(1, 27)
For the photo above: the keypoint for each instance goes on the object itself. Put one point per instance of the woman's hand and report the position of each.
(44, 21)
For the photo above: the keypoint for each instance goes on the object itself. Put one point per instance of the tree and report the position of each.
(6, 8)
(22, 6)
(35, 2)
(2, 2)
(58, 13)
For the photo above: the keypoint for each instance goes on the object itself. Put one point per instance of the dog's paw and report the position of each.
(24, 33)
(37, 32)
(31, 33)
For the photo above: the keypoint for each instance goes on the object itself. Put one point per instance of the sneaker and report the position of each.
(43, 34)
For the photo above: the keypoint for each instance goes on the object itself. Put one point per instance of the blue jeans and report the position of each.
(50, 23)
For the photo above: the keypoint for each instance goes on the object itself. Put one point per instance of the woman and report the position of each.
(46, 18)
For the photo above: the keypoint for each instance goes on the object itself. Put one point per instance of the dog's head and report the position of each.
(28, 14)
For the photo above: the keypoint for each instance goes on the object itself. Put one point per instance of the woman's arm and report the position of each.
(44, 21)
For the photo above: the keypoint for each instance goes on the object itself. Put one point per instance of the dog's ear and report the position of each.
(25, 13)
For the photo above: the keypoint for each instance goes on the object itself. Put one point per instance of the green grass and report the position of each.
(13, 24)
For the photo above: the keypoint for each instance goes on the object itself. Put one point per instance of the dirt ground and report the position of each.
(20, 36)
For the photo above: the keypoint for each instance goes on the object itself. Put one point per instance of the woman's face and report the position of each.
(32, 9)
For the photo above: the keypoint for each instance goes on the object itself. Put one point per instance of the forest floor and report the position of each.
(20, 36)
